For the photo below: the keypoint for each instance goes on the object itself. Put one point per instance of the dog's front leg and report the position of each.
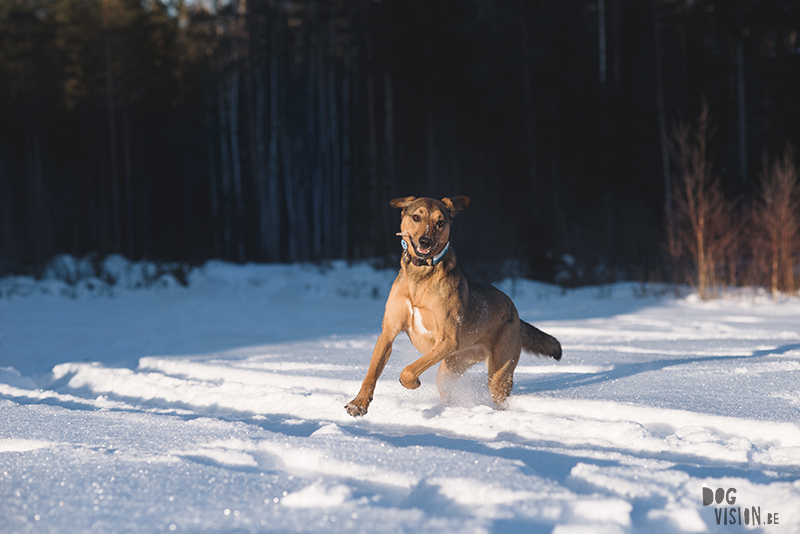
(443, 348)
(380, 355)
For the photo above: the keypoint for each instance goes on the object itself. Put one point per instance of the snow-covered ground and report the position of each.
(219, 407)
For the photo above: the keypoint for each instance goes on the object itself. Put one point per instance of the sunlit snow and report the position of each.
(219, 407)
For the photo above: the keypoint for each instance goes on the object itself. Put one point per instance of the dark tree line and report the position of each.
(278, 131)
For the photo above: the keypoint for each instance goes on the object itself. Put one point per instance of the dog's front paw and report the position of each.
(409, 381)
(356, 410)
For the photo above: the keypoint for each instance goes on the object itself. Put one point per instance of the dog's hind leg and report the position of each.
(452, 367)
(501, 365)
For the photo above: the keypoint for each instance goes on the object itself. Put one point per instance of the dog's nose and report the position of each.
(425, 242)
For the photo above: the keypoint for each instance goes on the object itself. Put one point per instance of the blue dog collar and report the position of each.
(436, 259)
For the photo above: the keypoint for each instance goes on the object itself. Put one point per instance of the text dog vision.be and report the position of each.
(735, 515)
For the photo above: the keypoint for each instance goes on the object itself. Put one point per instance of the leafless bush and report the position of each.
(706, 234)
(775, 224)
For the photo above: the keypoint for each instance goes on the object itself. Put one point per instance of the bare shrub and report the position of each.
(775, 224)
(706, 233)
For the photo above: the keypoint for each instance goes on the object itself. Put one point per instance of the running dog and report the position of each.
(447, 318)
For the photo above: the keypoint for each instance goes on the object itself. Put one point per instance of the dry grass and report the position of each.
(704, 242)
(774, 233)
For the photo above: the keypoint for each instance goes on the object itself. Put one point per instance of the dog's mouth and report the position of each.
(421, 251)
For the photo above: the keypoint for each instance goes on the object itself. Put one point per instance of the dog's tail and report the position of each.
(537, 342)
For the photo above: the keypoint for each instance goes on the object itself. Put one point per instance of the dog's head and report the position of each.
(426, 222)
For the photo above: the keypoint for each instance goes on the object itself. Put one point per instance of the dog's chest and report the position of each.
(417, 323)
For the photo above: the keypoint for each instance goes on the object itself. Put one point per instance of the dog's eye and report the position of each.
(440, 223)
(415, 217)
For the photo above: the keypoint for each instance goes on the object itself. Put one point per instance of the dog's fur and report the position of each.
(448, 319)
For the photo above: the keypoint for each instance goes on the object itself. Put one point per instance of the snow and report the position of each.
(132, 403)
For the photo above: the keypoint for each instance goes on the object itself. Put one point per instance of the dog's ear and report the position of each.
(403, 202)
(455, 204)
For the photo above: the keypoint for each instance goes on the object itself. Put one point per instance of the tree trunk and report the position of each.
(249, 39)
(785, 259)
(38, 216)
(774, 267)
(528, 109)
(296, 213)
(601, 44)
(430, 144)
(224, 156)
(126, 157)
(662, 129)
(373, 141)
(324, 148)
(345, 216)
(236, 160)
(261, 164)
(273, 177)
(742, 114)
(314, 148)
(614, 44)
(355, 125)
(112, 126)
(389, 177)
(102, 190)
(233, 124)
(389, 126)
(8, 243)
(91, 208)
(146, 241)
(211, 163)
(559, 185)
(335, 175)
(187, 172)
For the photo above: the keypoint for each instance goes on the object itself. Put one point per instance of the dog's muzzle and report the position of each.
(424, 246)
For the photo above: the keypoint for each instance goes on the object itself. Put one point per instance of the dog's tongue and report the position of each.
(424, 250)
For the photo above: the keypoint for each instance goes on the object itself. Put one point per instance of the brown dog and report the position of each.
(448, 319)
